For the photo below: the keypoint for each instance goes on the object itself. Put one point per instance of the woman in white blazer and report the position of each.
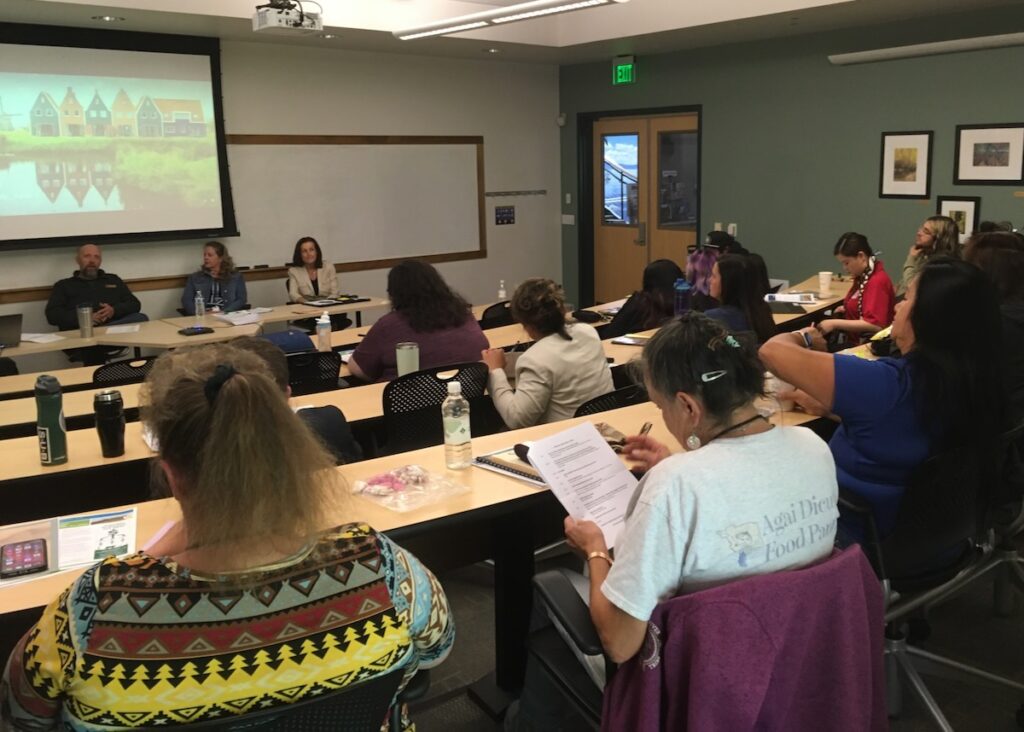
(309, 276)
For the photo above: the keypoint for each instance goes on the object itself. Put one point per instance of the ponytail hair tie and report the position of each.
(212, 387)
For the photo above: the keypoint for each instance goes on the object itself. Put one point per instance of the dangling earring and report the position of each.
(692, 442)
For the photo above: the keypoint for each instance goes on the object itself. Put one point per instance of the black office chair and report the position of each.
(497, 315)
(932, 552)
(625, 397)
(8, 367)
(119, 373)
(361, 707)
(313, 372)
(412, 405)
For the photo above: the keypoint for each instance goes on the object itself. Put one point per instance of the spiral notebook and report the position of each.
(507, 462)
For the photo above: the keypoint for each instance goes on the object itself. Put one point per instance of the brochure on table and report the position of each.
(74, 541)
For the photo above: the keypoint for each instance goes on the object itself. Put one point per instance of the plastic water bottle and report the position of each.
(502, 293)
(323, 332)
(53, 435)
(458, 450)
(199, 305)
(683, 295)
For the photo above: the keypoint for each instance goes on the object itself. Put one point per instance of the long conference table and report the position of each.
(500, 518)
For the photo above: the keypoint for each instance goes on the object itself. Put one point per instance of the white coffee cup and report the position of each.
(825, 284)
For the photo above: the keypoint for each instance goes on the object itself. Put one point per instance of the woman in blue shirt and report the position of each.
(736, 284)
(944, 392)
(220, 283)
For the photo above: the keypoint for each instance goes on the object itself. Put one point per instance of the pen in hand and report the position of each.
(646, 428)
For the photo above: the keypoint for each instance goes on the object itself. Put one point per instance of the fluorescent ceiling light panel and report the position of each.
(509, 14)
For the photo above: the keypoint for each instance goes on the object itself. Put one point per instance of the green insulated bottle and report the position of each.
(53, 435)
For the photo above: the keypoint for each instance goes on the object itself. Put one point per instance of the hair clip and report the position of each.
(712, 375)
(212, 387)
(732, 341)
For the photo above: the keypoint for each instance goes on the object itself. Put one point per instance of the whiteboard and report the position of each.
(372, 202)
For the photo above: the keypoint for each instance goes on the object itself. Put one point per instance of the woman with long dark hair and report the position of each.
(736, 285)
(868, 306)
(944, 392)
(426, 311)
(651, 306)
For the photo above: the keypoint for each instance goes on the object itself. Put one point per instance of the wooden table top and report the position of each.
(282, 313)
(839, 289)
(26, 382)
(487, 488)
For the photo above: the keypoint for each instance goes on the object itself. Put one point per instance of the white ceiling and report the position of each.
(639, 26)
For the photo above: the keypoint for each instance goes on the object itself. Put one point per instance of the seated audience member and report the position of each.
(327, 422)
(938, 236)
(256, 558)
(697, 519)
(759, 267)
(986, 227)
(942, 393)
(222, 286)
(650, 307)
(565, 367)
(868, 306)
(1000, 255)
(735, 283)
(426, 311)
(111, 301)
(311, 278)
(698, 268)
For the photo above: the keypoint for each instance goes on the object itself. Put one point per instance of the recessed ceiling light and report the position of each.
(492, 50)
(108, 18)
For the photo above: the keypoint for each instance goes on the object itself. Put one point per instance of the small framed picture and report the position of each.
(964, 210)
(906, 165)
(990, 154)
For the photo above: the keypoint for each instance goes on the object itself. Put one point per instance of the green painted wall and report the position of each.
(791, 145)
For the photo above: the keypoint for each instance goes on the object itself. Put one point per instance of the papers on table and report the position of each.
(803, 298)
(88, 538)
(115, 329)
(241, 317)
(346, 355)
(41, 337)
(586, 476)
(632, 339)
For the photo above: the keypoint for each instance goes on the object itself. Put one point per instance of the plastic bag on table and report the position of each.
(408, 488)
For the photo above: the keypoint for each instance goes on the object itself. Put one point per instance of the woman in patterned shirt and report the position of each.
(252, 601)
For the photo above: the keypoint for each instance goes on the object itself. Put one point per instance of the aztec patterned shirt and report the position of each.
(141, 642)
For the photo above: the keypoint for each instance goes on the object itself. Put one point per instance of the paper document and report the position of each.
(797, 297)
(87, 538)
(586, 476)
(41, 337)
(115, 329)
(240, 317)
(346, 355)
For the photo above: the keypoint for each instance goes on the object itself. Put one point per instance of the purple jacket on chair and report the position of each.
(797, 650)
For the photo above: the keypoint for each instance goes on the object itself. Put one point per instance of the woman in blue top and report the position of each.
(222, 286)
(944, 392)
(736, 284)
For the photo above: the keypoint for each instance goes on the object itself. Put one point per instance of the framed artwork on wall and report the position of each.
(989, 154)
(906, 165)
(964, 210)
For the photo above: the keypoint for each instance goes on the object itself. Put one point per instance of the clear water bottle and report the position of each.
(458, 450)
(323, 332)
(502, 292)
(53, 434)
(199, 306)
(683, 295)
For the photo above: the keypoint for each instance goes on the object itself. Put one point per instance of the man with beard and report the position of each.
(108, 296)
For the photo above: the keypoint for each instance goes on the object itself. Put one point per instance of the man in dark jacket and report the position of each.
(111, 300)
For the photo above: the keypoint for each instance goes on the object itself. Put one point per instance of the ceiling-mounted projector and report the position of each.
(286, 16)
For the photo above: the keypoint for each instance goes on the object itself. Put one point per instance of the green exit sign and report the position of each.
(623, 70)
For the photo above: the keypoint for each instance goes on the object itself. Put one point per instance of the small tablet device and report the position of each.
(22, 557)
(195, 330)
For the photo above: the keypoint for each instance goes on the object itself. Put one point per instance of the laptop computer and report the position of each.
(10, 330)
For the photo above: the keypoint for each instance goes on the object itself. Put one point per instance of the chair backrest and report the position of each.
(118, 373)
(8, 367)
(497, 315)
(313, 372)
(362, 707)
(625, 397)
(412, 403)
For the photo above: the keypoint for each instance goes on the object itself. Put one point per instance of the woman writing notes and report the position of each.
(254, 601)
(868, 306)
(220, 284)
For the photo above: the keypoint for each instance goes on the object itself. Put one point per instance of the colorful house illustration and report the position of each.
(50, 177)
(148, 121)
(182, 117)
(97, 117)
(124, 120)
(101, 175)
(77, 179)
(45, 117)
(72, 123)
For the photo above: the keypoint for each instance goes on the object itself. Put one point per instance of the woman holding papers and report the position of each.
(256, 595)
(309, 276)
(742, 498)
(565, 367)
(220, 284)
(868, 306)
